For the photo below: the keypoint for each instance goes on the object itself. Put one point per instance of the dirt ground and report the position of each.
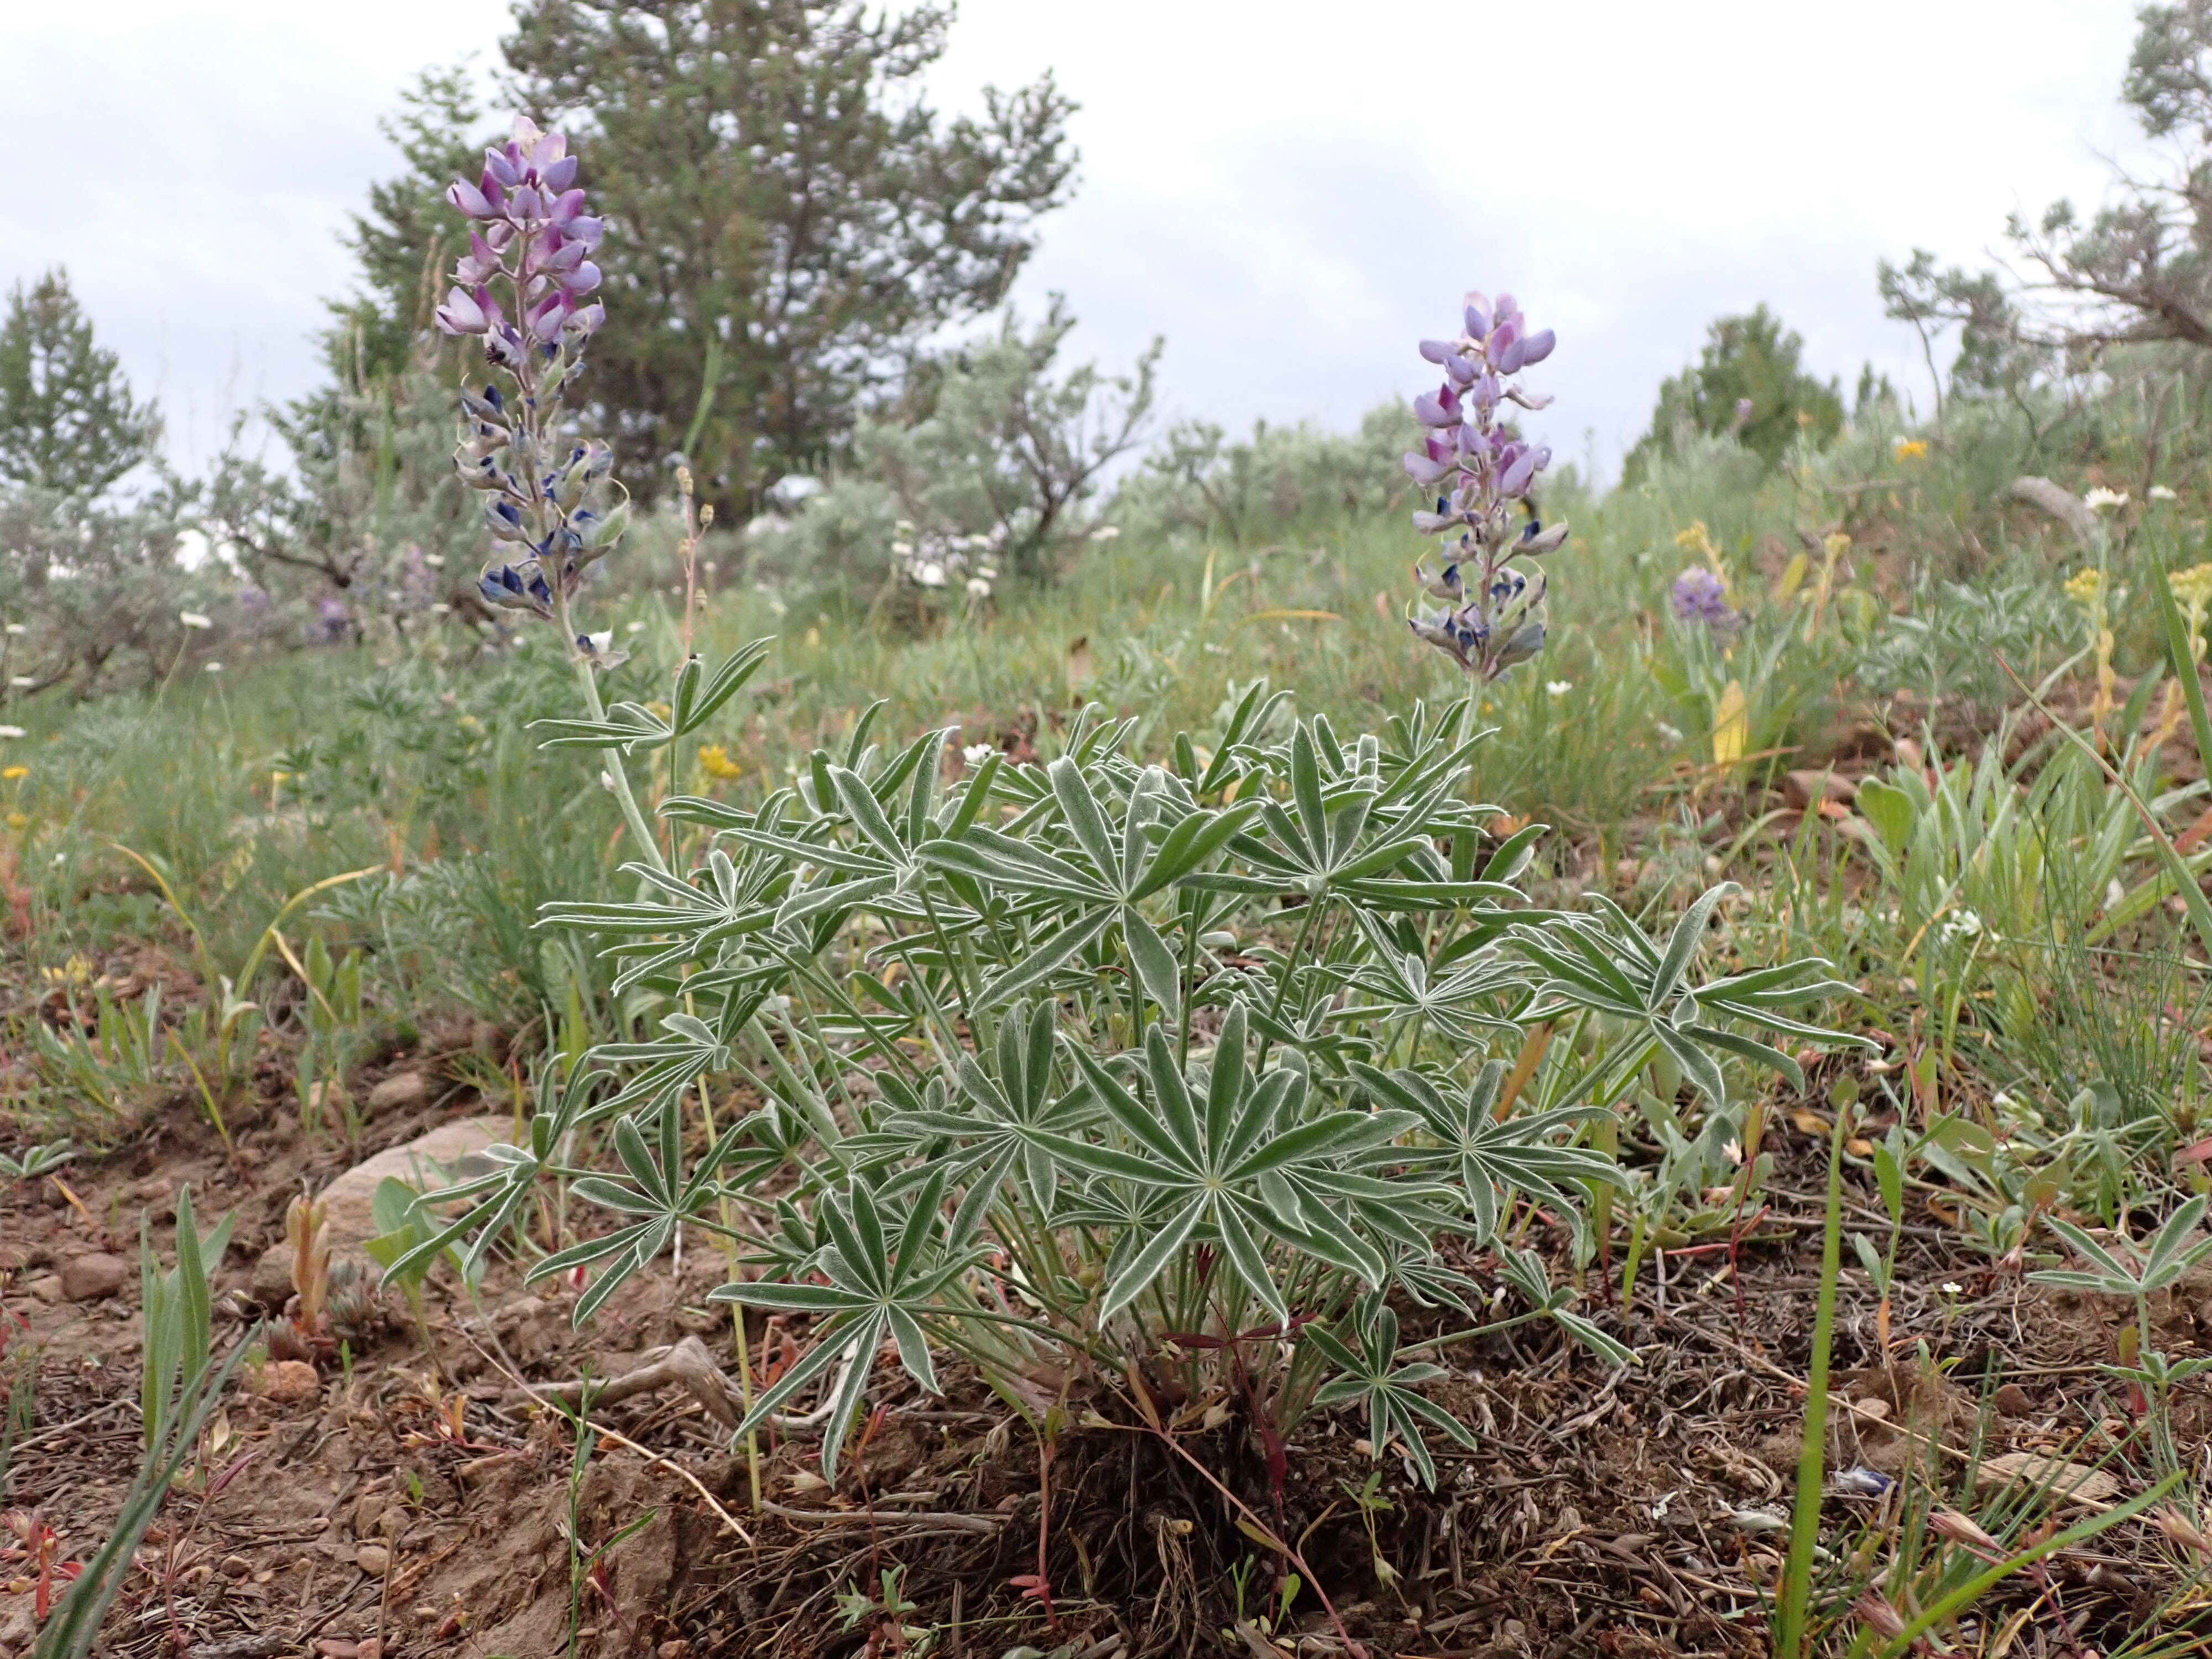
(416, 1497)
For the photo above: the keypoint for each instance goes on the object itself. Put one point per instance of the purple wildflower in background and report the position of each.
(523, 287)
(1493, 616)
(1700, 596)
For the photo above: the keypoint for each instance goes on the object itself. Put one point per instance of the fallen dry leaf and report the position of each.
(2078, 1482)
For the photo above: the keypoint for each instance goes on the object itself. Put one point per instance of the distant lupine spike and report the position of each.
(1485, 475)
(1700, 596)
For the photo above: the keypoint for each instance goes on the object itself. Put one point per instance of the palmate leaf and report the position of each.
(1227, 1172)
(1364, 1349)
(1619, 972)
(1493, 1157)
(887, 1276)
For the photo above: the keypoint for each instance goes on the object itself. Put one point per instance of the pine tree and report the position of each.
(789, 221)
(67, 420)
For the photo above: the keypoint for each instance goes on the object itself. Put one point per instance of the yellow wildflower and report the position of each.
(1699, 540)
(2086, 587)
(1912, 449)
(1836, 544)
(715, 761)
(13, 772)
(16, 821)
(2192, 588)
(1731, 725)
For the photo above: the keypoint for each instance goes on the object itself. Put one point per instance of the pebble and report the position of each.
(400, 1089)
(47, 1287)
(288, 1382)
(92, 1278)
(373, 1559)
(2012, 1400)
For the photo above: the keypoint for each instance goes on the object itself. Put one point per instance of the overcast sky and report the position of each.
(1290, 193)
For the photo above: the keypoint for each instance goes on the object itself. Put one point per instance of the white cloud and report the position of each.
(1291, 194)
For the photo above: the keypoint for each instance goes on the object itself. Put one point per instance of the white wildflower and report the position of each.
(1963, 924)
(17, 628)
(1952, 1287)
(435, 561)
(1105, 532)
(211, 668)
(976, 753)
(193, 619)
(20, 680)
(11, 731)
(978, 589)
(2100, 499)
(1559, 688)
(2161, 493)
(929, 573)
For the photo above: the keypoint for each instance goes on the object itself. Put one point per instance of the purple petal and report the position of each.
(567, 205)
(497, 164)
(1538, 347)
(468, 200)
(1462, 369)
(1519, 474)
(1478, 319)
(1439, 351)
(1422, 470)
(1510, 360)
(582, 280)
(560, 175)
(495, 193)
(461, 314)
(584, 230)
(1505, 309)
(588, 320)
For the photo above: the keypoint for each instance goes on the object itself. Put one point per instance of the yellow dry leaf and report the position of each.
(1731, 725)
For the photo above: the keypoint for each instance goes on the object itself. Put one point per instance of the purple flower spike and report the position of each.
(1700, 596)
(1484, 474)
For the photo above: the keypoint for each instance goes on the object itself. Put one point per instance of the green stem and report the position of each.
(616, 773)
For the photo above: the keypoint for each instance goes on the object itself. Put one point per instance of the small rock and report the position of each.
(2012, 1400)
(370, 1649)
(21, 1628)
(1801, 788)
(349, 1217)
(373, 1559)
(91, 1277)
(400, 1089)
(47, 1287)
(271, 1284)
(236, 1566)
(288, 1382)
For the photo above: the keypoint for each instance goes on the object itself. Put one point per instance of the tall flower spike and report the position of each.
(521, 289)
(1483, 474)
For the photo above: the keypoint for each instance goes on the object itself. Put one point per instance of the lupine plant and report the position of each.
(1168, 1084)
